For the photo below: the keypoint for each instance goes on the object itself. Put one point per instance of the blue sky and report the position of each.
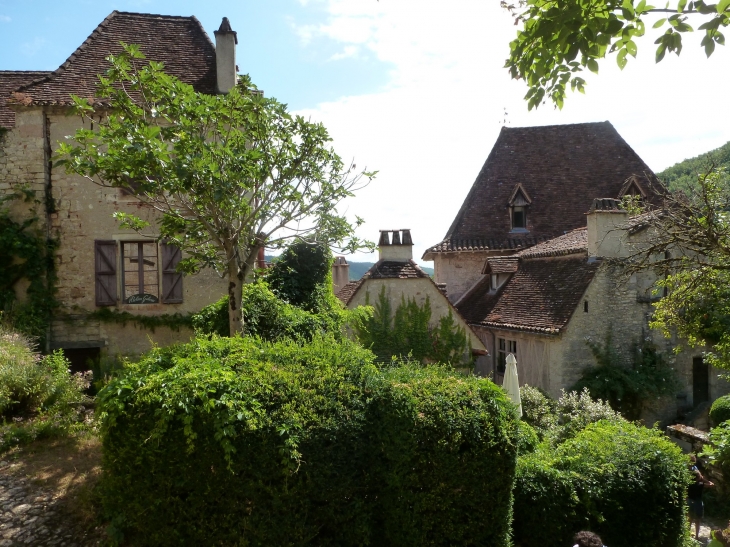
(415, 89)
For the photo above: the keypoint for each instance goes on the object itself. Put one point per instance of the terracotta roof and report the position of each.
(501, 264)
(458, 245)
(562, 168)
(540, 297)
(383, 269)
(573, 242)
(179, 42)
(10, 80)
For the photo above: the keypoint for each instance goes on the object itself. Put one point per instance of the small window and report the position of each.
(585, 306)
(494, 282)
(140, 278)
(505, 347)
(519, 218)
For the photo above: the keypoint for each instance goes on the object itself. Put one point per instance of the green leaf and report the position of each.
(722, 5)
(660, 22)
(631, 48)
(592, 65)
(621, 58)
(681, 5)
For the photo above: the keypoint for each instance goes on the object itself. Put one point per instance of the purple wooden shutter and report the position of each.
(105, 259)
(172, 286)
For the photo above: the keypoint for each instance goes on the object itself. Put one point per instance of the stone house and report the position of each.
(538, 282)
(397, 273)
(98, 264)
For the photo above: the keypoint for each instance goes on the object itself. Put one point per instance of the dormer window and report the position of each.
(519, 202)
(633, 188)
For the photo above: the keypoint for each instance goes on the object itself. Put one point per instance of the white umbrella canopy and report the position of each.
(511, 383)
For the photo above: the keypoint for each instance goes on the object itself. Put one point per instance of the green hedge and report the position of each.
(623, 481)
(720, 410)
(239, 441)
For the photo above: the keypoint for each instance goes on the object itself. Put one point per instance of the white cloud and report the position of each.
(348, 52)
(431, 129)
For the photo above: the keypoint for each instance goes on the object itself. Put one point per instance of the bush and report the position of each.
(267, 316)
(239, 441)
(302, 274)
(623, 481)
(575, 411)
(720, 410)
(538, 410)
(38, 396)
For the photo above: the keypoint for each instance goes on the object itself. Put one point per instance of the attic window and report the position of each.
(519, 201)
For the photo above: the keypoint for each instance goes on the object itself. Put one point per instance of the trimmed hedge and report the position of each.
(625, 482)
(240, 441)
(720, 410)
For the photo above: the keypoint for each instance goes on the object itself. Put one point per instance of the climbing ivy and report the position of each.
(27, 254)
(173, 321)
(408, 332)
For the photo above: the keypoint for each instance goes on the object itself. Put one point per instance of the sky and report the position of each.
(414, 89)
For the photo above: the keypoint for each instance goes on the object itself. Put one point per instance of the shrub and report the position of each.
(240, 441)
(623, 481)
(38, 396)
(720, 410)
(538, 410)
(575, 411)
(302, 274)
(527, 438)
(267, 316)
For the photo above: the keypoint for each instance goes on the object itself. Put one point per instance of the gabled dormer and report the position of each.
(632, 187)
(519, 203)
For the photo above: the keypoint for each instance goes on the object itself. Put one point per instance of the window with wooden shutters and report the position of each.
(172, 285)
(105, 258)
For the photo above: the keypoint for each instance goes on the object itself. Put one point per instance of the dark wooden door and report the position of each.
(700, 381)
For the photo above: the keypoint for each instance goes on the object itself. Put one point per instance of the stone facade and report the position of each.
(459, 271)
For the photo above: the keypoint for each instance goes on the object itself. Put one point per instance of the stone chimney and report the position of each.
(397, 249)
(607, 230)
(225, 56)
(340, 273)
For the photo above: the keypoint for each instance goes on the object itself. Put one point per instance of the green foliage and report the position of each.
(623, 481)
(174, 321)
(682, 176)
(538, 410)
(720, 410)
(229, 173)
(302, 274)
(718, 451)
(560, 39)
(527, 438)
(576, 411)
(270, 318)
(38, 396)
(628, 390)
(240, 441)
(26, 255)
(407, 333)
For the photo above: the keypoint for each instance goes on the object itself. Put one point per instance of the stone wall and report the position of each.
(459, 271)
(418, 289)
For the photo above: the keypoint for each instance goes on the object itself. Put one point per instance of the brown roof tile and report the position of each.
(10, 80)
(562, 168)
(346, 293)
(179, 42)
(573, 242)
(540, 297)
(500, 265)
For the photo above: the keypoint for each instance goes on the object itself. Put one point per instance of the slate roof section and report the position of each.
(501, 265)
(562, 168)
(541, 297)
(573, 242)
(180, 43)
(10, 80)
(383, 269)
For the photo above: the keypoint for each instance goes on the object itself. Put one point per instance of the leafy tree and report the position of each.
(229, 174)
(561, 38)
(407, 332)
(303, 274)
(689, 248)
(683, 175)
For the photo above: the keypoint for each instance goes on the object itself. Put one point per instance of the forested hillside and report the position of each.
(683, 175)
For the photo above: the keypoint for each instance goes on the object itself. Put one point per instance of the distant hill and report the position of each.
(358, 269)
(683, 175)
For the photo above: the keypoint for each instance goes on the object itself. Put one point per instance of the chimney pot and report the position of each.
(396, 237)
(398, 250)
(384, 238)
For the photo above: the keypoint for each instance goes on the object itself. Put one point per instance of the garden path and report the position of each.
(29, 515)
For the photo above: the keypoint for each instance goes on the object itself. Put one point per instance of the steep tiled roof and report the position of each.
(510, 244)
(10, 80)
(573, 242)
(178, 42)
(540, 297)
(501, 264)
(562, 168)
(383, 269)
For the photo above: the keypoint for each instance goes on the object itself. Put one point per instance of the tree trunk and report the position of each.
(235, 295)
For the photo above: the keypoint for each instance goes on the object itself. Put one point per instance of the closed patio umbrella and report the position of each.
(511, 384)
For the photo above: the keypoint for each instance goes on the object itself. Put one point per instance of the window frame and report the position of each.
(140, 270)
(505, 346)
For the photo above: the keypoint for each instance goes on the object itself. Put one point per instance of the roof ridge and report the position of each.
(607, 122)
